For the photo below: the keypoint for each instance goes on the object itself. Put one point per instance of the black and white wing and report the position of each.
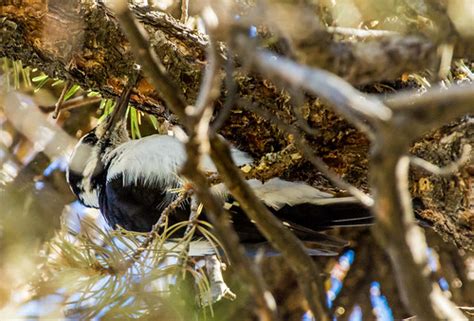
(141, 178)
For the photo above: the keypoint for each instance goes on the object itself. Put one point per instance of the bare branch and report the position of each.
(219, 288)
(210, 85)
(361, 33)
(398, 233)
(193, 215)
(272, 228)
(395, 225)
(184, 10)
(215, 212)
(228, 238)
(468, 310)
(447, 170)
(431, 110)
(231, 97)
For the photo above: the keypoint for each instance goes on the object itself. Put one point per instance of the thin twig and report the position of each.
(72, 104)
(447, 170)
(57, 106)
(193, 215)
(362, 33)
(231, 97)
(211, 83)
(467, 310)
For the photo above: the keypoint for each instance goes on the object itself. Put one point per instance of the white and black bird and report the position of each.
(131, 182)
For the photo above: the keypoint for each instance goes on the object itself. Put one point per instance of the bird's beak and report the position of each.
(120, 110)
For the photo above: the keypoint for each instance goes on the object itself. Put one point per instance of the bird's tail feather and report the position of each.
(308, 220)
(321, 217)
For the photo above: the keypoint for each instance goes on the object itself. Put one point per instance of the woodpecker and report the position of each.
(132, 182)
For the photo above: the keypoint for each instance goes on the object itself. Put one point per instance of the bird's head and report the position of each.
(112, 132)
(86, 170)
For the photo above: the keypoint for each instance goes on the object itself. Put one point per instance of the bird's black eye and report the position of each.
(90, 139)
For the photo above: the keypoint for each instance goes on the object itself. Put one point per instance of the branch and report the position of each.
(231, 95)
(431, 110)
(59, 103)
(397, 232)
(184, 10)
(272, 228)
(447, 170)
(227, 236)
(78, 57)
(72, 104)
(362, 33)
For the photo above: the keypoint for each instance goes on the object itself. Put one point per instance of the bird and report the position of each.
(133, 181)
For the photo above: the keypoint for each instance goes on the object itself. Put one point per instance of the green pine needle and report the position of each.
(153, 121)
(71, 92)
(41, 80)
(93, 275)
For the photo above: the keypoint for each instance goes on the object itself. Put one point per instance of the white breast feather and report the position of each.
(84, 154)
(150, 160)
